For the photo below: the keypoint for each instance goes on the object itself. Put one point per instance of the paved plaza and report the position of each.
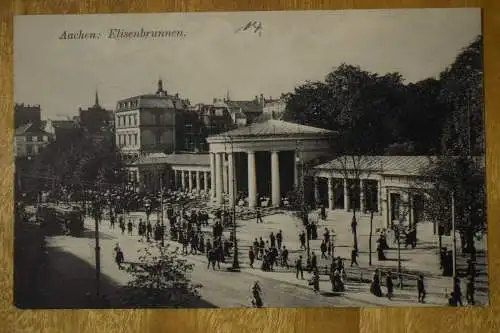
(222, 288)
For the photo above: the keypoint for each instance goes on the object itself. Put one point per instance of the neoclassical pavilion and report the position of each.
(262, 159)
(391, 186)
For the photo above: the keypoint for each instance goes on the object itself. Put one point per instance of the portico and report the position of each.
(258, 164)
(390, 186)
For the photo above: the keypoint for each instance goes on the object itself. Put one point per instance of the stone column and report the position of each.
(218, 179)
(212, 176)
(275, 179)
(190, 180)
(361, 196)
(230, 177)
(379, 197)
(224, 174)
(183, 180)
(198, 181)
(331, 194)
(296, 179)
(316, 189)
(252, 180)
(205, 180)
(176, 183)
(346, 196)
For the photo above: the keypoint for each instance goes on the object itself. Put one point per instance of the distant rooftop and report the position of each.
(174, 159)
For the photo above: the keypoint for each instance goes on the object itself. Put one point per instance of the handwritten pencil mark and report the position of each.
(252, 26)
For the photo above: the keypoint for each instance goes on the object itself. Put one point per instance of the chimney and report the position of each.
(262, 100)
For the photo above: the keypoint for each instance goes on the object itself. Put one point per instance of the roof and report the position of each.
(246, 106)
(30, 129)
(156, 101)
(65, 124)
(273, 127)
(393, 165)
(174, 159)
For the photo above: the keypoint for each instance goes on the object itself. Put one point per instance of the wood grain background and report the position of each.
(387, 320)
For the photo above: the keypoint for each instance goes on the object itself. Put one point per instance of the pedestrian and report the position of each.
(251, 256)
(390, 285)
(457, 292)
(119, 257)
(323, 212)
(130, 227)
(314, 263)
(329, 249)
(211, 256)
(256, 248)
(323, 249)
(149, 231)
(112, 220)
(375, 285)
(421, 289)
(122, 225)
(259, 216)
(315, 281)
(302, 238)
(284, 257)
(262, 246)
(298, 268)
(469, 294)
(272, 238)
(326, 235)
(354, 257)
(279, 239)
(354, 225)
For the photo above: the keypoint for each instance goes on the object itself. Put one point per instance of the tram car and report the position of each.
(61, 219)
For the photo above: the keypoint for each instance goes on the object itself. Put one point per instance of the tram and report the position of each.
(61, 219)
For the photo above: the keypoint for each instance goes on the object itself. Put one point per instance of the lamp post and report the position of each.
(236, 264)
(97, 210)
(147, 206)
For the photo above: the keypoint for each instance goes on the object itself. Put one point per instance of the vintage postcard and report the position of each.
(250, 159)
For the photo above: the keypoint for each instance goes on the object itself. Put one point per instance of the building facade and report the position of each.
(27, 114)
(95, 119)
(260, 163)
(274, 108)
(391, 186)
(29, 140)
(152, 123)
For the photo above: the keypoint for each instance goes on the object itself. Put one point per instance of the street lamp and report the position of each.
(236, 264)
(147, 206)
(97, 211)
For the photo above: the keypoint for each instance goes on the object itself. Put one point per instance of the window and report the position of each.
(29, 150)
(135, 119)
(135, 139)
(130, 139)
(35, 139)
(28, 138)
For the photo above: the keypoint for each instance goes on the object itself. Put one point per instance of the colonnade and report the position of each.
(222, 165)
(332, 185)
(192, 180)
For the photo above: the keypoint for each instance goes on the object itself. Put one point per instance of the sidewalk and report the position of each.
(354, 291)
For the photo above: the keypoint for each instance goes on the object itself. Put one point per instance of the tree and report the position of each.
(88, 162)
(464, 177)
(462, 91)
(160, 279)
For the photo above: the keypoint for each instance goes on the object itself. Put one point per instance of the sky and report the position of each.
(213, 58)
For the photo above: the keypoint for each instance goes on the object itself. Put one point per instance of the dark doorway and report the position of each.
(263, 173)
(395, 206)
(370, 188)
(287, 171)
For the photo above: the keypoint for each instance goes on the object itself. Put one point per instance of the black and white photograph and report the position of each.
(292, 159)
